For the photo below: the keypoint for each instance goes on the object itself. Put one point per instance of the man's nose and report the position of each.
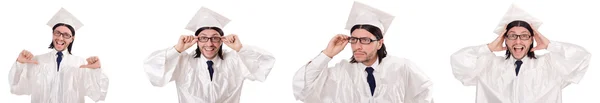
(357, 46)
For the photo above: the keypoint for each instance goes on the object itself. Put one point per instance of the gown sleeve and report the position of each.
(163, 66)
(469, 62)
(307, 78)
(19, 80)
(22, 76)
(418, 88)
(254, 62)
(571, 60)
(95, 82)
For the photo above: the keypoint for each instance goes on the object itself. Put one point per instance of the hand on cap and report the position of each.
(92, 63)
(497, 45)
(232, 41)
(542, 42)
(26, 57)
(185, 42)
(336, 45)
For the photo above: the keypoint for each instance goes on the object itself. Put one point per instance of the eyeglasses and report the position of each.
(64, 35)
(522, 37)
(213, 39)
(363, 40)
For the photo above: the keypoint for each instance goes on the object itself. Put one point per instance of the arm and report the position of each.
(95, 83)
(161, 66)
(307, 77)
(571, 60)
(419, 86)
(18, 79)
(312, 76)
(468, 62)
(255, 63)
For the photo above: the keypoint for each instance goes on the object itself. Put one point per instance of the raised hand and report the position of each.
(497, 45)
(92, 63)
(336, 45)
(232, 41)
(542, 42)
(185, 42)
(26, 57)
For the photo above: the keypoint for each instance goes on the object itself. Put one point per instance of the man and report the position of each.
(371, 76)
(59, 76)
(521, 76)
(210, 75)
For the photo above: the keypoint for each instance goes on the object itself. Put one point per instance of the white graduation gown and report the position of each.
(540, 80)
(68, 85)
(192, 77)
(397, 80)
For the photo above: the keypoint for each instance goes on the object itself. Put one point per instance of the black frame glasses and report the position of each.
(363, 40)
(63, 35)
(212, 39)
(514, 36)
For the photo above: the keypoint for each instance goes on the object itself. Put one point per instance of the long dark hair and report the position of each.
(72, 33)
(519, 23)
(381, 53)
(220, 52)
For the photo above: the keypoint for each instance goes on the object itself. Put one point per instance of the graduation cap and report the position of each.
(207, 18)
(516, 13)
(64, 16)
(364, 14)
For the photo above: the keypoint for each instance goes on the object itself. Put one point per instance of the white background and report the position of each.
(124, 32)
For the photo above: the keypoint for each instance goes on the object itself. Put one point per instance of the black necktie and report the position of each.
(210, 69)
(370, 79)
(58, 59)
(518, 63)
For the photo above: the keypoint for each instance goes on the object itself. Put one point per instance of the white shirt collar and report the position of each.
(64, 52)
(216, 61)
(374, 65)
(524, 59)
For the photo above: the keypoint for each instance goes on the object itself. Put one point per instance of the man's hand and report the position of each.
(26, 57)
(185, 42)
(232, 41)
(92, 63)
(336, 45)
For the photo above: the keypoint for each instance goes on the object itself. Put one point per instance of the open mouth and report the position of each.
(61, 43)
(209, 49)
(519, 48)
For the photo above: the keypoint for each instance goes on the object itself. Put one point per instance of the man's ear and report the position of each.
(380, 44)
